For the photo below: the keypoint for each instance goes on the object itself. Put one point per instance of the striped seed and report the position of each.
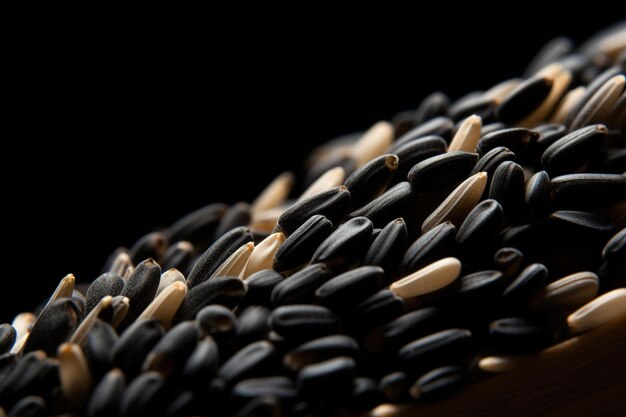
(467, 135)
(580, 191)
(300, 245)
(378, 309)
(197, 227)
(604, 309)
(108, 284)
(164, 307)
(260, 287)
(508, 261)
(141, 288)
(600, 104)
(64, 289)
(373, 143)
(301, 286)
(531, 279)
(319, 350)
(168, 278)
(29, 406)
(74, 374)
(439, 383)
(274, 194)
(172, 351)
(458, 204)
(389, 205)
(479, 228)
(507, 187)
(519, 335)
(417, 151)
(303, 321)
(202, 364)
(479, 287)
(522, 101)
(331, 178)
(573, 150)
(348, 243)
(579, 225)
(152, 245)
(235, 263)
(371, 179)
(134, 345)
(518, 139)
(227, 291)
(569, 292)
(446, 346)
(490, 161)
(614, 252)
(429, 279)
(442, 171)
(590, 91)
(266, 221)
(561, 81)
(118, 262)
(435, 244)
(80, 335)
(252, 325)
(249, 362)
(331, 378)
(262, 256)
(567, 105)
(350, 287)
(434, 105)
(537, 195)
(388, 247)
(54, 326)
(406, 328)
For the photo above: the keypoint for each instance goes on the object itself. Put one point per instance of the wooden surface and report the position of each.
(585, 376)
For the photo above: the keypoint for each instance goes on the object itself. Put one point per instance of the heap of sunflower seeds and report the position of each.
(424, 254)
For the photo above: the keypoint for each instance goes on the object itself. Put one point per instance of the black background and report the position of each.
(117, 128)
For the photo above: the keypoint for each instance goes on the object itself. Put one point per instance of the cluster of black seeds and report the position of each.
(423, 254)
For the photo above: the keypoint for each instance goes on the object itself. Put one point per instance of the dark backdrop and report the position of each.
(121, 132)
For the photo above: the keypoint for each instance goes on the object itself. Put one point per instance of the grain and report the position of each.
(236, 262)
(164, 307)
(604, 309)
(373, 143)
(262, 256)
(426, 280)
(331, 178)
(74, 375)
(467, 135)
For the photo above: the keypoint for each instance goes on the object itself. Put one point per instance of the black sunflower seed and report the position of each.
(278, 386)
(152, 245)
(237, 215)
(614, 252)
(548, 134)
(433, 245)
(260, 287)
(252, 361)
(389, 205)
(531, 279)
(227, 291)
(141, 288)
(106, 284)
(417, 151)
(171, 352)
(303, 321)
(410, 326)
(202, 364)
(517, 139)
(331, 378)
(134, 345)
(217, 321)
(197, 227)
(264, 406)
(298, 248)
(426, 353)
(519, 334)
(100, 341)
(479, 287)
(439, 126)
(507, 187)
(7, 338)
(434, 105)
(479, 228)
(569, 226)
(394, 386)
(346, 244)
(524, 99)
(106, 398)
(508, 261)
(442, 171)
(319, 350)
(585, 191)
(216, 254)
(388, 246)
(178, 256)
(439, 383)
(301, 286)
(333, 204)
(490, 161)
(374, 311)
(30, 406)
(54, 326)
(365, 394)
(473, 103)
(143, 396)
(371, 179)
(573, 150)
(350, 287)
(538, 195)
(252, 325)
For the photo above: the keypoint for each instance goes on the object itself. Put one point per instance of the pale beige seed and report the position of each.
(121, 263)
(571, 291)
(373, 143)
(428, 279)
(265, 221)
(498, 92)
(612, 45)
(567, 104)
(331, 178)
(80, 334)
(262, 256)
(561, 79)
(617, 118)
(459, 203)
(165, 306)
(468, 135)
(168, 278)
(499, 364)
(235, 263)
(63, 290)
(119, 312)
(128, 272)
(74, 375)
(386, 410)
(604, 309)
(598, 108)
(22, 324)
(19, 344)
(274, 194)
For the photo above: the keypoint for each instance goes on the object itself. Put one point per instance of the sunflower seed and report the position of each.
(467, 135)
(197, 227)
(569, 292)
(371, 179)
(331, 378)
(22, 323)
(168, 278)
(415, 152)
(143, 396)
(334, 204)
(434, 105)
(217, 254)
(262, 256)
(374, 311)
(479, 287)
(179, 257)
(517, 139)
(134, 345)
(499, 364)
(261, 406)
(394, 386)
(524, 99)
(480, 226)
(500, 91)
(233, 266)
(54, 326)
(580, 191)
(459, 203)
(227, 291)
(331, 178)
(301, 286)
(108, 284)
(597, 108)
(97, 347)
(507, 187)
(531, 279)
(604, 309)
(300, 245)
(107, 396)
(164, 307)
(303, 321)
(30, 406)
(278, 386)
(74, 373)
(389, 205)
(428, 279)
(152, 245)
(439, 126)
(64, 289)
(537, 195)
(551, 52)
(349, 242)
(119, 307)
(118, 262)
(433, 245)
(548, 134)
(260, 287)
(561, 79)
(251, 361)
(480, 104)
(202, 364)
(274, 194)
(319, 350)
(442, 171)
(426, 353)
(141, 288)
(171, 352)
(350, 287)
(568, 104)
(8, 336)
(439, 383)
(490, 161)
(388, 247)
(579, 225)
(252, 325)
(614, 252)
(373, 143)
(85, 326)
(573, 150)
(508, 261)
(519, 334)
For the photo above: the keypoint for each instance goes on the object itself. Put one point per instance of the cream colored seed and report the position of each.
(121, 263)
(606, 308)
(22, 324)
(168, 278)
(165, 306)
(598, 108)
(274, 194)
(63, 290)
(74, 375)
(468, 135)
(567, 103)
(80, 335)
(331, 178)
(235, 263)
(120, 311)
(428, 279)
(498, 364)
(265, 221)
(571, 291)
(561, 79)
(385, 410)
(262, 256)
(459, 203)
(373, 143)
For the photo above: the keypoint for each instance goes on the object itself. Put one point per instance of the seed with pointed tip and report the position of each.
(599, 105)
(549, 53)
(442, 171)
(479, 228)
(416, 151)
(319, 350)
(134, 345)
(300, 321)
(75, 376)
(251, 361)
(446, 346)
(580, 191)
(98, 345)
(371, 179)
(301, 286)
(467, 135)
(260, 287)
(202, 364)
(262, 256)
(490, 161)
(479, 287)
(428, 279)
(227, 291)
(300, 245)
(54, 326)
(350, 287)
(433, 245)
(388, 246)
(439, 126)
(604, 309)
(527, 282)
(29, 406)
(152, 245)
(171, 352)
(374, 311)
(237, 215)
(406, 328)
(537, 195)
(439, 383)
(373, 143)
(235, 263)
(568, 292)
(217, 254)
(579, 225)
(517, 139)
(331, 378)
(333, 204)
(143, 396)
(106, 284)
(432, 106)
(573, 150)
(349, 242)
(178, 256)
(389, 205)
(524, 99)
(216, 321)
(169, 277)
(117, 262)
(7, 338)
(107, 396)
(614, 252)
(274, 194)
(507, 187)
(253, 325)
(141, 288)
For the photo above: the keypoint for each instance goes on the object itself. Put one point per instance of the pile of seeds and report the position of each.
(422, 255)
